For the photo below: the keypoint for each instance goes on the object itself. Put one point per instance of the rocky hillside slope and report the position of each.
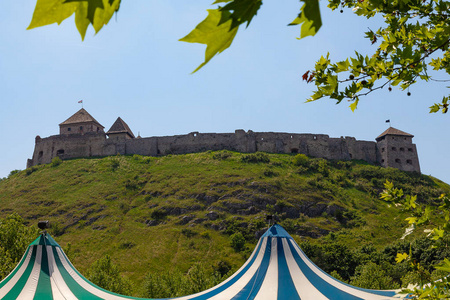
(168, 212)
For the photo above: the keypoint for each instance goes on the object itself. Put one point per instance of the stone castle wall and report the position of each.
(97, 144)
(395, 152)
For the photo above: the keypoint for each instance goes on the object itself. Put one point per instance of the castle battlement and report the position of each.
(82, 136)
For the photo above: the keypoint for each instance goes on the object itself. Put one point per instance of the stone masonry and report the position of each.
(82, 136)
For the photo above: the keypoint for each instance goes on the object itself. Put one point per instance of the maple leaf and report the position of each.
(95, 12)
(240, 11)
(216, 37)
(309, 17)
(305, 76)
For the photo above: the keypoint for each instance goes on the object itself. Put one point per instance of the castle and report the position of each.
(83, 136)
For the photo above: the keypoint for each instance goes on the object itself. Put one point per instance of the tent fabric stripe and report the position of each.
(323, 280)
(60, 290)
(276, 269)
(269, 287)
(230, 281)
(81, 287)
(44, 287)
(18, 269)
(229, 291)
(306, 289)
(253, 286)
(286, 288)
(21, 277)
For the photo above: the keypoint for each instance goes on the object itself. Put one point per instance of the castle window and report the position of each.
(81, 127)
(262, 139)
(68, 129)
(351, 156)
(409, 162)
(195, 134)
(158, 151)
(410, 150)
(397, 160)
(41, 153)
(382, 160)
(60, 152)
(294, 150)
(394, 149)
(315, 137)
(291, 136)
(402, 149)
(382, 149)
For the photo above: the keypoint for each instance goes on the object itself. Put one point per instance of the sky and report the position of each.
(136, 68)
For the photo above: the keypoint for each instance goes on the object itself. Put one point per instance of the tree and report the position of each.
(14, 240)
(106, 274)
(414, 39)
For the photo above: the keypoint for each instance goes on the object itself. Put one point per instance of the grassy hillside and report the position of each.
(169, 212)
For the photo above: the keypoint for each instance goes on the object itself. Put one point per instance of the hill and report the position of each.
(166, 213)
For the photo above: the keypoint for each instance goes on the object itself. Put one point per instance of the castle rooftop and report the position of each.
(393, 131)
(81, 116)
(120, 126)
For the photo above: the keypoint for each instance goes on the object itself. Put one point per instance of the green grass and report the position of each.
(105, 205)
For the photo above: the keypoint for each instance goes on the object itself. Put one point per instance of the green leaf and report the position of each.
(239, 11)
(401, 257)
(216, 37)
(342, 65)
(438, 233)
(411, 220)
(434, 108)
(354, 105)
(310, 17)
(95, 12)
(444, 266)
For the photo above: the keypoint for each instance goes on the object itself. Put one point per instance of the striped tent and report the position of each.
(277, 269)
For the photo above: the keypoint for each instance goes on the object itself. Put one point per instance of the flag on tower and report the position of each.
(81, 101)
(388, 121)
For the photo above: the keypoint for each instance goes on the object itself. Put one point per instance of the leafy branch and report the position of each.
(421, 216)
(405, 50)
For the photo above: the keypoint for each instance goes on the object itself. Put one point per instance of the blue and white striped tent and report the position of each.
(277, 269)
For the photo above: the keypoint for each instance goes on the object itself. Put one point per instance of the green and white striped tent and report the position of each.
(277, 270)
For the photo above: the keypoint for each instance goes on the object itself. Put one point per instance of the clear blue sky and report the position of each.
(135, 68)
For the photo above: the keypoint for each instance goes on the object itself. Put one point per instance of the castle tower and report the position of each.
(396, 150)
(80, 123)
(120, 131)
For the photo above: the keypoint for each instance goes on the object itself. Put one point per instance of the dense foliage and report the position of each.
(15, 237)
(438, 229)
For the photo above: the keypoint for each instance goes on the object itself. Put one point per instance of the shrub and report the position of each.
(320, 165)
(29, 171)
(106, 274)
(56, 161)
(270, 173)
(257, 157)
(13, 172)
(221, 155)
(237, 242)
(373, 276)
(301, 160)
(114, 164)
(188, 232)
